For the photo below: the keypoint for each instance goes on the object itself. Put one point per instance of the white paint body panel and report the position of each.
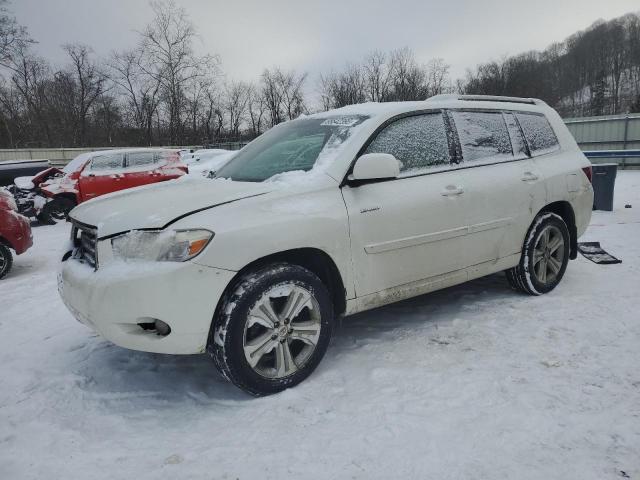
(404, 230)
(389, 240)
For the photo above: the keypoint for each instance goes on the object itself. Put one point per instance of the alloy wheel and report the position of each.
(282, 330)
(548, 254)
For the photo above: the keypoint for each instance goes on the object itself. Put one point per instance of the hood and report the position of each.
(158, 205)
(24, 183)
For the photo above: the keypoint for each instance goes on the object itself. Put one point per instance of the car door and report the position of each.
(100, 176)
(504, 187)
(141, 168)
(411, 228)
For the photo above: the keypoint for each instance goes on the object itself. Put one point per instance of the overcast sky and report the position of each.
(321, 35)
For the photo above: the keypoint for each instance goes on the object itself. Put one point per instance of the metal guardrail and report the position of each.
(624, 158)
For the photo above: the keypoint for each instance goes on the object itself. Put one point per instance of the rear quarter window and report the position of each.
(537, 130)
(141, 159)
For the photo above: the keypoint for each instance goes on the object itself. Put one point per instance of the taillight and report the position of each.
(588, 172)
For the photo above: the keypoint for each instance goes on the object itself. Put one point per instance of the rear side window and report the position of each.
(141, 159)
(419, 142)
(482, 135)
(106, 162)
(538, 132)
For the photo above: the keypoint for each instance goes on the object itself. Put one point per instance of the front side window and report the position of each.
(482, 135)
(538, 132)
(419, 142)
(141, 159)
(297, 145)
(106, 162)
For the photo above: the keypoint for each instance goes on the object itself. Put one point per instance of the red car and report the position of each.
(15, 232)
(51, 194)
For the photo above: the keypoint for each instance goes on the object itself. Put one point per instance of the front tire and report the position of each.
(545, 255)
(272, 329)
(56, 210)
(6, 260)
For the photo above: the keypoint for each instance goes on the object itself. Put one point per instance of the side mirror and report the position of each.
(371, 166)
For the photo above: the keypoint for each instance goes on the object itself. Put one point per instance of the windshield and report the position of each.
(77, 162)
(297, 145)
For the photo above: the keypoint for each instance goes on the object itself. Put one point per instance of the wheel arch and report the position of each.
(313, 259)
(5, 242)
(564, 210)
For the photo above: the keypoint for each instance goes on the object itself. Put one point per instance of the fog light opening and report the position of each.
(161, 328)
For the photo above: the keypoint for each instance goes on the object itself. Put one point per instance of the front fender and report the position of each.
(256, 228)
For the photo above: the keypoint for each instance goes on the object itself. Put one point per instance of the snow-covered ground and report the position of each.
(473, 382)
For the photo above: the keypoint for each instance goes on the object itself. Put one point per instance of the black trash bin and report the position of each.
(604, 179)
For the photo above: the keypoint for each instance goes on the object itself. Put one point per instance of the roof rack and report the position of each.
(487, 98)
(497, 98)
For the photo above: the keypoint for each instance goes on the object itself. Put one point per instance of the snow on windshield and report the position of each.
(77, 162)
(292, 149)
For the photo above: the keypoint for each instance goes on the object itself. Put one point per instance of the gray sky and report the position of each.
(252, 35)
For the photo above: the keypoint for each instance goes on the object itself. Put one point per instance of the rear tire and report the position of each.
(272, 329)
(56, 210)
(6, 260)
(545, 255)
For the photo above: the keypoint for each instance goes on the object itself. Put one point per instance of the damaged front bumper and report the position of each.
(29, 202)
(121, 300)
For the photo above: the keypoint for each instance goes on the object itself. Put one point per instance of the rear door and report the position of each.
(410, 228)
(102, 175)
(504, 187)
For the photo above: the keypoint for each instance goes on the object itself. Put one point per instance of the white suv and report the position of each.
(329, 215)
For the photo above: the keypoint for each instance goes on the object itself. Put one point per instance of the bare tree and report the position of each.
(291, 85)
(90, 84)
(272, 94)
(283, 93)
(409, 79)
(195, 104)
(30, 78)
(14, 38)
(377, 76)
(256, 107)
(169, 58)
(237, 96)
(438, 80)
(345, 88)
(140, 91)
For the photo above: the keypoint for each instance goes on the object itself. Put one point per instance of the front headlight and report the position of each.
(161, 246)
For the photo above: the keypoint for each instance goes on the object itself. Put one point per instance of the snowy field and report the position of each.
(473, 382)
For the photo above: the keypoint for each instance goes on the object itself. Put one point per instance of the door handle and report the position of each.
(529, 177)
(452, 191)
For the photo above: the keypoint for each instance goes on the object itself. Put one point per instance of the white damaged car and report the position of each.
(326, 216)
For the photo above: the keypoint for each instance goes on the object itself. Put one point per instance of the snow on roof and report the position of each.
(374, 109)
(81, 159)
